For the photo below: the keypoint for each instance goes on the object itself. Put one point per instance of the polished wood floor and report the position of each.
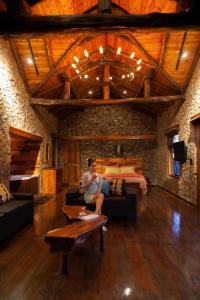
(157, 258)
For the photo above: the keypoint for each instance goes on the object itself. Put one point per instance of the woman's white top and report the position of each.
(94, 187)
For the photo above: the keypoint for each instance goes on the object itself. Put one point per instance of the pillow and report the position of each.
(4, 193)
(111, 170)
(105, 188)
(127, 169)
(118, 187)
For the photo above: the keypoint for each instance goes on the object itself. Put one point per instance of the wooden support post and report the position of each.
(147, 87)
(66, 90)
(105, 6)
(106, 78)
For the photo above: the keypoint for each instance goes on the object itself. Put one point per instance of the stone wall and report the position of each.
(186, 185)
(114, 120)
(15, 111)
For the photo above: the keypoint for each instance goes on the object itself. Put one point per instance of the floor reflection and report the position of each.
(176, 223)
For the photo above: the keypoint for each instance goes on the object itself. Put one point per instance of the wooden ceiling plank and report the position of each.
(22, 25)
(105, 6)
(50, 89)
(193, 66)
(164, 47)
(157, 99)
(53, 70)
(181, 50)
(20, 66)
(153, 61)
(33, 56)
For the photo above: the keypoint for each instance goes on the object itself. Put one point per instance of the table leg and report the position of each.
(101, 239)
(65, 263)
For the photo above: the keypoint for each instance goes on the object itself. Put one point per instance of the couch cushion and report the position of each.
(12, 205)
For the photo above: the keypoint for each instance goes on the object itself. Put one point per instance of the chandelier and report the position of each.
(76, 65)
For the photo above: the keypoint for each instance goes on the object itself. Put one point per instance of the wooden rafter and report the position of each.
(164, 47)
(50, 89)
(181, 50)
(76, 43)
(153, 61)
(106, 79)
(20, 66)
(193, 66)
(112, 137)
(33, 56)
(22, 25)
(74, 102)
(46, 47)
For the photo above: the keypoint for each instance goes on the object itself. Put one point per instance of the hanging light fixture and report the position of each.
(138, 68)
(119, 49)
(101, 50)
(132, 55)
(76, 59)
(139, 61)
(74, 66)
(86, 53)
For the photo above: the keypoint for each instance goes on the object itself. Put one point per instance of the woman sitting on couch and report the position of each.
(91, 184)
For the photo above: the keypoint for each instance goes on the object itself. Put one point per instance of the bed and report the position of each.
(130, 169)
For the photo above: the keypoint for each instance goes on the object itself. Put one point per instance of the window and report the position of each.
(174, 166)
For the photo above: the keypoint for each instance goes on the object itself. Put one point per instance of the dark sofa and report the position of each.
(113, 206)
(15, 213)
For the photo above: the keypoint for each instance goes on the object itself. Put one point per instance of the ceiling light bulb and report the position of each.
(132, 74)
(119, 50)
(123, 76)
(139, 68)
(128, 75)
(110, 77)
(125, 92)
(76, 59)
(184, 55)
(86, 76)
(132, 55)
(90, 92)
(74, 66)
(29, 61)
(86, 53)
(97, 78)
(139, 61)
(77, 71)
(101, 50)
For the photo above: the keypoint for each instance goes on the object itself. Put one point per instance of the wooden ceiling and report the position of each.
(45, 62)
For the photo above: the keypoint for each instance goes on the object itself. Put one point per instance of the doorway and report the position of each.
(71, 158)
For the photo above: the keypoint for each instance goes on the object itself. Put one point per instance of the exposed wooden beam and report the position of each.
(148, 76)
(52, 71)
(181, 50)
(105, 6)
(33, 56)
(164, 47)
(50, 89)
(20, 25)
(20, 66)
(147, 137)
(46, 47)
(158, 99)
(193, 66)
(106, 79)
(153, 61)
(18, 7)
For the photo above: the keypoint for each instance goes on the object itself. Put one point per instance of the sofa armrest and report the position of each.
(23, 196)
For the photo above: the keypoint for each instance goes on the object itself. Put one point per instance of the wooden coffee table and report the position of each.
(63, 239)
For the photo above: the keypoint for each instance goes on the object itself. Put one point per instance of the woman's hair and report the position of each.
(90, 161)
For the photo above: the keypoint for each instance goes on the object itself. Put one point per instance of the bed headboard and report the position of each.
(119, 161)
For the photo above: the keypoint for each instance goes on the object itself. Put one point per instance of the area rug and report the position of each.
(42, 199)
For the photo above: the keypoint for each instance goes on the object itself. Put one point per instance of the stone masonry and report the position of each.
(16, 111)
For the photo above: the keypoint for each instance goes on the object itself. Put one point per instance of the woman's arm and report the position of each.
(100, 184)
(86, 182)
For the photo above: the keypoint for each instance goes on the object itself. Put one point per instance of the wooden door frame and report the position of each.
(195, 122)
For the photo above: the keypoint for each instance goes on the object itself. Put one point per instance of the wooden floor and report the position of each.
(158, 258)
